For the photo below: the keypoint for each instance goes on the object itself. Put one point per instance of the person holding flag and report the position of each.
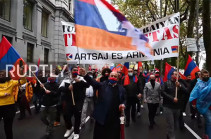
(107, 111)
(172, 103)
(8, 82)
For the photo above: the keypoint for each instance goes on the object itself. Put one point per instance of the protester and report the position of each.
(49, 101)
(74, 103)
(152, 95)
(105, 74)
(193, 110)
(133, 92)
(38, 91)
(200, 98)
(7, 102)
(107, 110)
(171, 103)
(159, 79)
(141, 101)
(23, 93)
(88, 103)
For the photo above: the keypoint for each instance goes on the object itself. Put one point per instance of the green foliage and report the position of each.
(143, 12)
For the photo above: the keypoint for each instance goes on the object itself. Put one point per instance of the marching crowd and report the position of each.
(107, 95)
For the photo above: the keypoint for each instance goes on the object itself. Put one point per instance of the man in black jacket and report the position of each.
(49, 100)
(171, 103)
(133, 91)
(73, 104)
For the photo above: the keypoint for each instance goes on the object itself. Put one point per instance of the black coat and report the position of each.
(133, 89)
(79, 90)
(52, 98)
(168, 94)
(104, 98)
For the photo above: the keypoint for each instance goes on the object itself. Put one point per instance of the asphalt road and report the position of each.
(32, 128)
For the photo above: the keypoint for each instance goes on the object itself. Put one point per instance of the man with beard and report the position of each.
(7, 101)
(171, 103)
(133, 92)
(108, 107)
(38, 91)
(200, 98)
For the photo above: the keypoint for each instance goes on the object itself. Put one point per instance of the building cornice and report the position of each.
(7, 29)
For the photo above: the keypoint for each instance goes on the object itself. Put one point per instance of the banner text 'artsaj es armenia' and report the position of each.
(101, 34)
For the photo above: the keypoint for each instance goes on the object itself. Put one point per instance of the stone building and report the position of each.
(34, 28)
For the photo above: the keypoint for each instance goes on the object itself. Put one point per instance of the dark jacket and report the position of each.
(37, 89)
(79, 90)
(133, 89)
(52, 98)
(104, 98)
(168, 94)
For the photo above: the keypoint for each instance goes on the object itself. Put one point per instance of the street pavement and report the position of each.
(32, 128)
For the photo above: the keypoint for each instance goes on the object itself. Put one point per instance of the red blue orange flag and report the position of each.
(191, 68)
(9, 56)
(168, 72)
(125, 68)
(100, 27)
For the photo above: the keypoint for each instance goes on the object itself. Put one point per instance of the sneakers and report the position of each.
(142, 106)
(138, 114)
(57, 124)
(67, 133)
(184, 114)
(76, 136)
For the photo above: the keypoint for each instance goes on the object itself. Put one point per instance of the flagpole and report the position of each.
(37, 79)
(70, 82)
(177, 10)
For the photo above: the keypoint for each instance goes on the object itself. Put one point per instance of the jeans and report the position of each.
(172, 116)
(48, 116)
(207, 117)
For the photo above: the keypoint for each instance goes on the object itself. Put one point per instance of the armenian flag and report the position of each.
(168, 72)
(100, 27)
(191, 68)
(9, 56)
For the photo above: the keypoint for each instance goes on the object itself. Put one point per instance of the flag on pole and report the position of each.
(191, 68)
(9, 56)
(38, 65)
(168, 72)
(100, 27)
(125, 68)
(182, 76)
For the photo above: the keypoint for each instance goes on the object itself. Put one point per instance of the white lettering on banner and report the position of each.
(163, 36)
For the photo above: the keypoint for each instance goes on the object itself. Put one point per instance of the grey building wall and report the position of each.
(58, 11)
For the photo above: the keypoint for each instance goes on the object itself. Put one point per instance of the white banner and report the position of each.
(163, 36)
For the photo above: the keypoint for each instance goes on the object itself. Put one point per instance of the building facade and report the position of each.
(34, 28)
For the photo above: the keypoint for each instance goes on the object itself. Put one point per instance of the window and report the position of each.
(44, 23)
(8, 38)
(30, 51)
(27, 14)
(46, 52)
(5, 9)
